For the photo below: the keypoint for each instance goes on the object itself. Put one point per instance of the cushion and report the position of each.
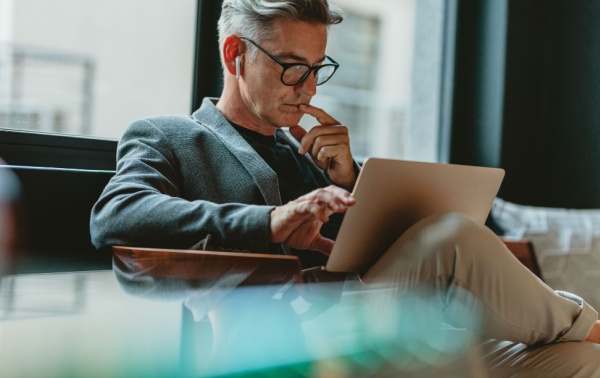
(566, 243)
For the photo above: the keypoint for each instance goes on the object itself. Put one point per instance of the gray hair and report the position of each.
(254, 18)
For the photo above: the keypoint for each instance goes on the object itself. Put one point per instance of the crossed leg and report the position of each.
(472, 272)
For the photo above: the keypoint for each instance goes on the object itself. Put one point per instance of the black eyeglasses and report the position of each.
(296, 73)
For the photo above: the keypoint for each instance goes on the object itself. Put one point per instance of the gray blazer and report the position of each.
(180, 179)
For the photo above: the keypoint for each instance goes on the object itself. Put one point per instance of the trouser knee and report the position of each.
(433, 244)
(452, 238)
(456, 221)
(447, 229)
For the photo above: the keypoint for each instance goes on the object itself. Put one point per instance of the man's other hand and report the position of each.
(329, 146)
(297, 224)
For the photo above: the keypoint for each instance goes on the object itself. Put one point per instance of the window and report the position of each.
(91, 67)
(387, 90)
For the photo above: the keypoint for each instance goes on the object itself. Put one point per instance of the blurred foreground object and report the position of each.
(234, 325)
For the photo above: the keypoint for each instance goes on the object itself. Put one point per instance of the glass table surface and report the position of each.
(138, 321)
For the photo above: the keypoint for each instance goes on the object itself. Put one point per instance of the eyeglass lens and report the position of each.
(295, 74)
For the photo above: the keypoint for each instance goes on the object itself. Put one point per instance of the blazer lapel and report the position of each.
(264, 177)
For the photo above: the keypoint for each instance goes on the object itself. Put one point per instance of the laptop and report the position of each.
(392, 195)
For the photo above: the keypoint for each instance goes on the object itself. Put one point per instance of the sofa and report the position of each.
(53, 216)
(53, 212)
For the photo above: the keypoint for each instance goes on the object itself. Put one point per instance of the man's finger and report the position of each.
(323, 245)
(298, 132)
(325, 140)
(321, 116)
(324, 135)
(321, 203)
(330, 192)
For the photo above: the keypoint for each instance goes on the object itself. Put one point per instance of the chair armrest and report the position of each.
(207, 265)
(524, 252)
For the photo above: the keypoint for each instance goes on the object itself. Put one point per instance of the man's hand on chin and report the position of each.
(328, 144)
(297, 223)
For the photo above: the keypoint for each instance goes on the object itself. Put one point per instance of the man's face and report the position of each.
(270, 102)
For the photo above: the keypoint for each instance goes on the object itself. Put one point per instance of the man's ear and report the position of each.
(233, 47)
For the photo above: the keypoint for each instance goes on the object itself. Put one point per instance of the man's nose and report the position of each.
(309, 86)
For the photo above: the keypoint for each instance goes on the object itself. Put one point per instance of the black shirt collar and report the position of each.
(266, 140)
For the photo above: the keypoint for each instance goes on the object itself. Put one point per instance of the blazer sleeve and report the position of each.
(142, 204)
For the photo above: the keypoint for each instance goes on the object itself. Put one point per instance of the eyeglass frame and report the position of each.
(286, 66)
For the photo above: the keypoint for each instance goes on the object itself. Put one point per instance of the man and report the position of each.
(231, 178)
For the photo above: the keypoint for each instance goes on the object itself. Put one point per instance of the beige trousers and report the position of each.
(471, 272)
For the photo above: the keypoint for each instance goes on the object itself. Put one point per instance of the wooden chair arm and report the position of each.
(264, 269)
(207, 265)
